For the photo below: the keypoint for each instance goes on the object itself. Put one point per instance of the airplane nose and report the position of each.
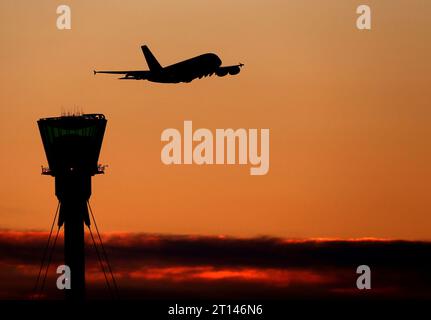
(216, 59)
(218, 62)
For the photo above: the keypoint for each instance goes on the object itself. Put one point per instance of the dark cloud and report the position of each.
(167, 265)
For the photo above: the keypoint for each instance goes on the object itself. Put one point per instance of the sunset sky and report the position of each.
(348, 112)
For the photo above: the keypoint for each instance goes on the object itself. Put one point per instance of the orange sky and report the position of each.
(348, 112)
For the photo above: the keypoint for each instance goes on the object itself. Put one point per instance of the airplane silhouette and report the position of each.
(185, 71)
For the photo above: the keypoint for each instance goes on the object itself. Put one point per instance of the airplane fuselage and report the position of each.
(187, 70)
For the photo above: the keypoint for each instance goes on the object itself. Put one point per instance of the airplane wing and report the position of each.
(232, 70)
(128, 74)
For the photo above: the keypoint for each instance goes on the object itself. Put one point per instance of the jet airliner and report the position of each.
(185, 71)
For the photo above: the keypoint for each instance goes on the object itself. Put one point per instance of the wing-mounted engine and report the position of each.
(232, 70)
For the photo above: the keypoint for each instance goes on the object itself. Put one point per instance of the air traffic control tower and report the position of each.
(72, 146)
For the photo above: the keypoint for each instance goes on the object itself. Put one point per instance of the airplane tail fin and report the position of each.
(152, 62)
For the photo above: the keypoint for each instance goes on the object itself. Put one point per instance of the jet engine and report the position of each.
(234, 70)
(221, 72)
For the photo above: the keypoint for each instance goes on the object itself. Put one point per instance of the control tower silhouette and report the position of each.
(72, 145)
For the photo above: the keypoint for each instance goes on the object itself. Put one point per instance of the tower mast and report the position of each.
(72, 145)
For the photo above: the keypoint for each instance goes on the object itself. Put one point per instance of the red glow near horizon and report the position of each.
(270, 276)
